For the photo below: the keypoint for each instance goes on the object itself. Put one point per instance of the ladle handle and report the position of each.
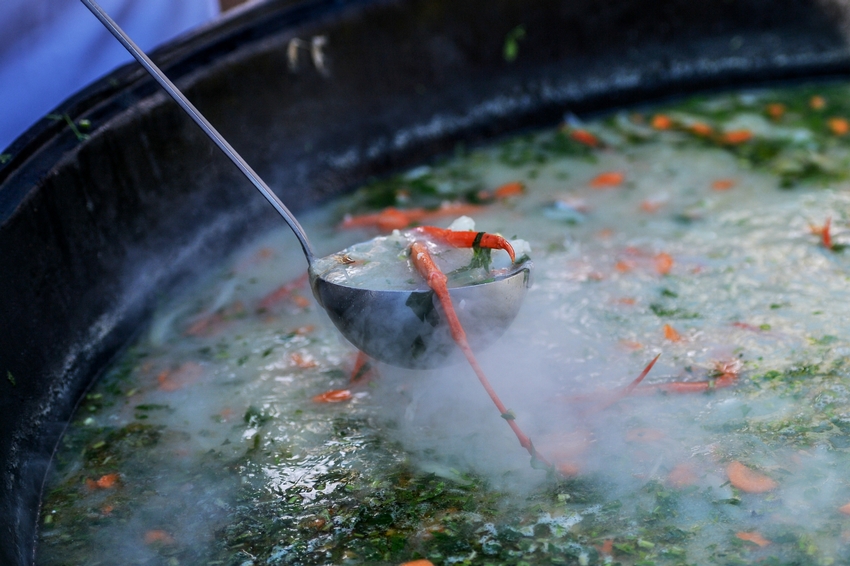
(202, 122)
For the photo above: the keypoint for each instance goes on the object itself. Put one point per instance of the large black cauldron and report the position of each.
(91, 231)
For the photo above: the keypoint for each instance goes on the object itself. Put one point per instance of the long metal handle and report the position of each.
(202, 122)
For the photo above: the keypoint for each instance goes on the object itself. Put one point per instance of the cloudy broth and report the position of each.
(711, 232)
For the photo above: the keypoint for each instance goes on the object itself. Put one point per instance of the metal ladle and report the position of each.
(402, 328)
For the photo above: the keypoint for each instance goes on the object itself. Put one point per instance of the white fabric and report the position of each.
(49, 49)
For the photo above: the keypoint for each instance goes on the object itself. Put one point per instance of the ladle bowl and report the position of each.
(402, 328)
(408, 329)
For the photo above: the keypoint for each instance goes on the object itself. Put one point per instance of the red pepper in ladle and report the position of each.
(388, 325)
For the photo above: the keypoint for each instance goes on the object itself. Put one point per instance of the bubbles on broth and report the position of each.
(711, 233)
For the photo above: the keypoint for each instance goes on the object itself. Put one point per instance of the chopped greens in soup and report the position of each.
(711, 233)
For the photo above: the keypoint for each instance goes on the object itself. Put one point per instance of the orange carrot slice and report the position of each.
(736, 137)
(158, 536)
(663, 263)
(661, 122)
(283, 292)
(512, 189)
(826, 237)
(651, 206)
(672, 334)
(421, 562)
(187, 374)
(333, 396)
(753, 537)
(607, 179)
(584, 137)
(749, 480)
(775, 110)
(107, 481)
(723, 184)
(838, 126)
(845, 508)
(817, 102)
(701, 129)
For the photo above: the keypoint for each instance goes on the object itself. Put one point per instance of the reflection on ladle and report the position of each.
(380, 323)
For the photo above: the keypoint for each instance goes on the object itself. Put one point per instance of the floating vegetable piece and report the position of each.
(736, 137)
(107, 481)
(624, 266)
(748, 480)
(727, 368)
(302, 361)
(158, 536)
(388, 219)
(775, 110)
(364, 369)
(672, 334)
(725, 374)
(333, 396)
(282, 293)
(701, 129)
(826, 236)
(845, 509)
(631, 345)
(418, 563)
(654, 204)
(361, 374)
(187, 374)
(723, 184)
(824, 231)
(395, 219)
(663, 263)
(661, 122)
(817, 102)
(584, 137)
(567, 449)
(512, 189)
(608, 179)
(838, 126)
(607, 547)
(753, 537)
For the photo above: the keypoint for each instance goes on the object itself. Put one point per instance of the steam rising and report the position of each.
(224, 386)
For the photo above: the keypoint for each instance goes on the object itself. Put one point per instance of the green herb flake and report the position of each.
(510, 51)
